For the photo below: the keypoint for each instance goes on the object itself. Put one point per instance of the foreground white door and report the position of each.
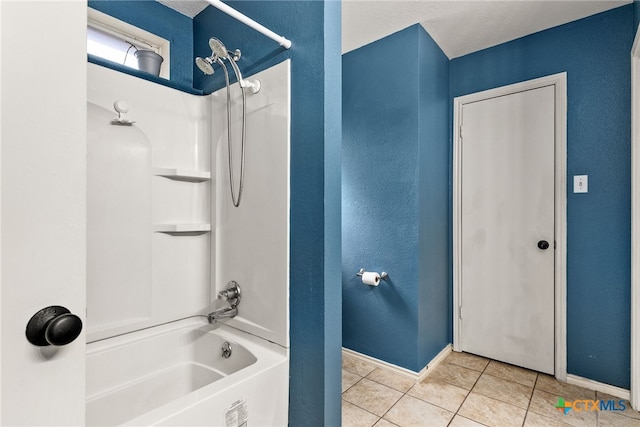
(507, 228)
(42, 215)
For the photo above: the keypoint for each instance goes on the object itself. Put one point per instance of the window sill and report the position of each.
(143, 75)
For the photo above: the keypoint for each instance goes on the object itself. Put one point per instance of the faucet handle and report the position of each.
(231, 294)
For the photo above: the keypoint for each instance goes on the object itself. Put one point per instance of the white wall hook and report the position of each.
(122, 108)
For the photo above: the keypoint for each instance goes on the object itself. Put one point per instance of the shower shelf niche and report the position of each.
(183, 174)
(181, 228)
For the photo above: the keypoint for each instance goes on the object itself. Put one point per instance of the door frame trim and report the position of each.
(560, 82)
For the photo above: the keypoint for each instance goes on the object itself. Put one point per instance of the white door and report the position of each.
(42, 215)
(507, 228)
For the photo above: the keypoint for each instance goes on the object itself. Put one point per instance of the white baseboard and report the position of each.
(435, 362)
(424, 372)
(598, 386)
(416, 376)
(381, 364)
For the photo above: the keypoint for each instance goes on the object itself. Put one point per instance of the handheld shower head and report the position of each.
(205, 65)
(218, 48)
(220, 51)
(218, 54)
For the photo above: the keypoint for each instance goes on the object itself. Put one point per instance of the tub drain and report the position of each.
(226, 350)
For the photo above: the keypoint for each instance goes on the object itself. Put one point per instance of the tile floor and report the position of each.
(466, 390)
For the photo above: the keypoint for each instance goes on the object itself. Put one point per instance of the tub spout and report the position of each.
(223, 313)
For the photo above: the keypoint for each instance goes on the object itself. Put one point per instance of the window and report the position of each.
(117, 41)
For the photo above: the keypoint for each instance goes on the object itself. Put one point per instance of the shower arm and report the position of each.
(282, 41)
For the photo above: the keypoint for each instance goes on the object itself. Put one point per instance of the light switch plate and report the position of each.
(581, 183)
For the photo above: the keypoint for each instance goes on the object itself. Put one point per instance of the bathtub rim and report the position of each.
(268, 355)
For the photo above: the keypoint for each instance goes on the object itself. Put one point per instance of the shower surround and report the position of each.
(164, 238)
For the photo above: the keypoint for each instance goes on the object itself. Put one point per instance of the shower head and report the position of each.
(220, 51)
(205, 64)
(218, 48)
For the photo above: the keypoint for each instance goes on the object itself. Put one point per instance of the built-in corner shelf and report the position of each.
(181, 228)
(183, 174)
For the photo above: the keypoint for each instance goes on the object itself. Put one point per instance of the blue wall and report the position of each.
(162, 21)
(332, 220)
(380, 201)
(315, 293)
(595, 53)
(434, 257)
(395, 198)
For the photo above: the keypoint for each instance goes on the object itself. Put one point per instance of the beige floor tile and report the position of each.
(357, 366)
(352, 416)
(460, 421)
(628, 411)
(543, 403)
(410, 411)
(391, 379)
(504, 390)
(491, 412)
(535, 420)
(349, 379)
(512, 373)
(447, 396)
(371, 396)
(467, 360)
(385, 423)
(614, 419)
(456, 375)
(567, 391)
(499, 397)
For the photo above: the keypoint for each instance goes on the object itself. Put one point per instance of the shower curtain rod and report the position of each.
(282, 41)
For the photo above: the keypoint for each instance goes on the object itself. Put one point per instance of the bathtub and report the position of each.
(175, 374)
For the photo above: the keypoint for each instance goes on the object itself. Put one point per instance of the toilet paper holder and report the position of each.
(383, 275)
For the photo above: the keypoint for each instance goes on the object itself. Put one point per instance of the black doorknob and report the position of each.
(543, 244)
(54, 325)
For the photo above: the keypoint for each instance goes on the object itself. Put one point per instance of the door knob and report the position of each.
(54, 325)
(543, 244)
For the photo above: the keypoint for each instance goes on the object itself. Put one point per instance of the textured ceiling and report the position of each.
(461, 27)
(187, 7)
(458, 26)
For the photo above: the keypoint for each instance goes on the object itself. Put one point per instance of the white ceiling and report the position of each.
(461, 27)
(458, 26)
(186, 7)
